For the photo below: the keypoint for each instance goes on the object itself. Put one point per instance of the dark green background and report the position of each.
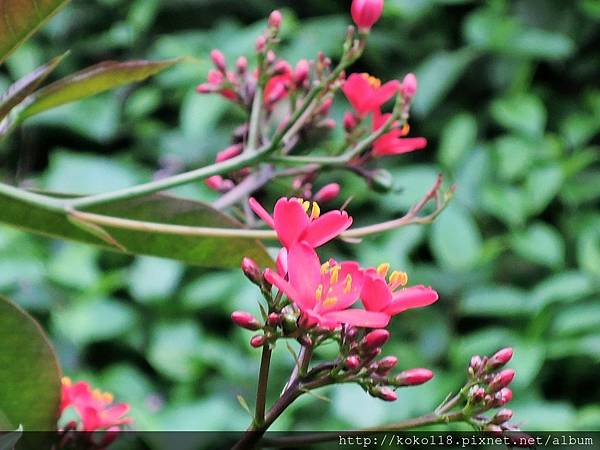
(510, 104)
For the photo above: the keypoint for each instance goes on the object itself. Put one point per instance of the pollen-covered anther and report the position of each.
(348, 284)
(316, 211)
(330, 301)
(319, 292)
(373, 81)
(306, 205)
(325, 267)
(405, 130)
(334, 276)
(382, 269)
(397, 279)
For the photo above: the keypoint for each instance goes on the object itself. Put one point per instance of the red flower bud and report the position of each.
(215, 182)
(327, 193)
(504, 415)
(386, 364)
(349, 121)
(275, 20)
(282, 67)
(384, 393)
(326, 106)
(499, 359)
(301, 72)
(261, 44)
(251, 270)
(503, 397)
(352, 362)
(245, 320)
(366, 12)
(409, 86)
(413, 377)
(274, 319)
(229, 152)
(258, 341)
(501, 380)
(205, 88)
(375, 339)
(241, 64)
(218, 60)
(475, 363)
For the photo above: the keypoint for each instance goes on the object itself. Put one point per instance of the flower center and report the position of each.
(396, 278)
(315, 211)
(105, 397)
(332, 269)
(373, 81)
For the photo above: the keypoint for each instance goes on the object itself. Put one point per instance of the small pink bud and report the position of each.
(251, 270)
(352, 362)
(413, 377)
(366, 13)
(475, 363)
(275, 20)
(230, 152)
(328, 123)
(504, 415)
(409, 86)
(326, 106)
(261, 44)
(499, 359)
(327, 193)
(501, 380)
(215, 182)
(274, 319)
(477, 393)
(282, 67)
(386, 364)
(258, 341)
(218, 60)
(375, 339)
(278, 92)
(271, 57)
(241, 64)
(349, 121)
(301, 72)
(205, 88)
(245, 320)
(503, 397)
(384, 393)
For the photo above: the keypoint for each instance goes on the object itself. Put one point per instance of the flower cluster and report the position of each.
(316, 299)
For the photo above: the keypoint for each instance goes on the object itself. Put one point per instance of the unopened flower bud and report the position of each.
(328, 123)
(413, 377)
(301, 72)
(409, 86)
(205, 88)
(502, 397)
(274, 319)
(282, 67)
(386, 364)
(499, 359)
(352, 362)
(366, 12)
(271, 57)
(475, 363)
(326, 106)
(261, 44)
(245, 320)
(218, 60)
(384, 393)
(215, 182)
(349, 121)
(504, 415)
(327, 193)
(382, 181)
(251, 270)
(230, 152)
(501, 380)
(275, 20)
(375, 339)
(290, 323)
(241, 64)
(258, 341)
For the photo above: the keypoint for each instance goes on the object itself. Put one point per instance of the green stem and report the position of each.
(255, 119)
(42, 201)
(261, 391)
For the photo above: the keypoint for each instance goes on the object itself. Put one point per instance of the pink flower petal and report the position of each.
(360, 318)
(282, 262)
(398, 146)
(327, 227)
(345, 299)
(290, 291)
(358, 91)
(291, 221)
(304, 270)
(412, 297)
(375, 294)
(261, 212)
(384, 93)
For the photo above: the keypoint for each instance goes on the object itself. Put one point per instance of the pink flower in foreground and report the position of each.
(366, 94)
(293, 223)
(95, 408)
(393, 142)
(366, 12)
(390, 297)
(325, 292)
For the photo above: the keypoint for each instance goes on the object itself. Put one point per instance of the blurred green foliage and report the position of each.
(509, 103)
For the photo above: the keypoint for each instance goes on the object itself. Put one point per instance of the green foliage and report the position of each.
(508, 101)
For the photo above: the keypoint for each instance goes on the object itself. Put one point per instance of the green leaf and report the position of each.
(144, 284)
(458, 138)
(566, 287)
(541, 244)
(19, 90)
(21, 18)
(523, 113)
(495, 301)
(29, 372)
(588, 249)
(91, 81)
(542, 185)
(455, 239)
(198, 250)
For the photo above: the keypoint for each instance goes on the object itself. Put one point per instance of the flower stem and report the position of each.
(263, 381)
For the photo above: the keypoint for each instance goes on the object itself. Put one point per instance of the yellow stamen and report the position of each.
(319, 292)
(330, 301)
(325, 267)
(348, 284)
(398, 279)
(66, 381)
(382, 269)
(373, 81)
(306, 205)
(335, 274)
(107, 397)
(405, 129)
(316, 211)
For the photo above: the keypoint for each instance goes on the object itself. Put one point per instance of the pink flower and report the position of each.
(366, 94)
(293, 223)
(391, 297)
(95, 408)
(366, 12)
(325, 292)
(392, 143)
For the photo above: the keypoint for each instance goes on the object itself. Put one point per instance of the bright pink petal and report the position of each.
(344, 297)
(375, 295)
(282, 264)
(261, 212)
(114, 414)
(358, 90)
(290, 220)
(384, 93)
(412, 297)
(360, 318)
(304, 270)
(397, 146)
(327, 227)
(290, 291)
